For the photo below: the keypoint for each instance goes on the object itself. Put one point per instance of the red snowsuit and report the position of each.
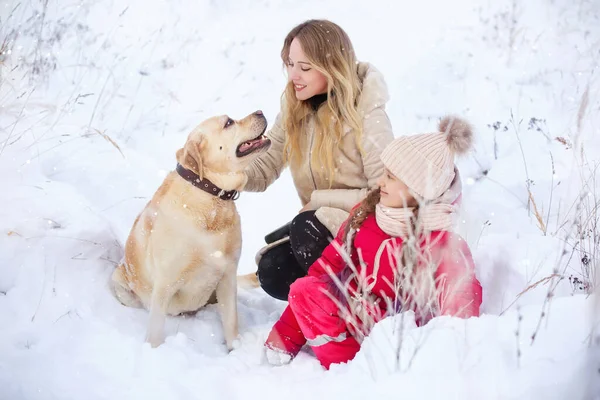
(313, 317)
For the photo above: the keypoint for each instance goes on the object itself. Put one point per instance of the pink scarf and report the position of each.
(437, 215)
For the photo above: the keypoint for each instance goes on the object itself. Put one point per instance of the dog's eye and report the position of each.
(228, 123)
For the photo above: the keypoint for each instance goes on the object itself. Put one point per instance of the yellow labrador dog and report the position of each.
(185, 245)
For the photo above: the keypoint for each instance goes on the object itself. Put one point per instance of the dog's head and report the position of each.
(223, 145)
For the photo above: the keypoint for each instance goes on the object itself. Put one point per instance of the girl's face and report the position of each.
(307, 81)
(394, 193)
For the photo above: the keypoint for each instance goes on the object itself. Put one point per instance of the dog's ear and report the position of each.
(190, 156)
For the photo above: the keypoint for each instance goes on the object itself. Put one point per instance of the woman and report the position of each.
(330, 131)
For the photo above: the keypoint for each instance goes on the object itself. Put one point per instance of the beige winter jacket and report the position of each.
(355, 174)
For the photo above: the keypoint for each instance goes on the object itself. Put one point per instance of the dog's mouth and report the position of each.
(250, 146)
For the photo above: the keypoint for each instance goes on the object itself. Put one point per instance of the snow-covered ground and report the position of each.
(96, 97)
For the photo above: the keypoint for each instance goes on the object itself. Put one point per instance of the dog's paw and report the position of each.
(154, 340)
(155, 343)
(276, 357)
(235, 344)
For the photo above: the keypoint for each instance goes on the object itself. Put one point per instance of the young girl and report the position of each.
(330, 131)
(395, 252)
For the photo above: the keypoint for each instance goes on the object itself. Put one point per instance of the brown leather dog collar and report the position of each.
(206, 185)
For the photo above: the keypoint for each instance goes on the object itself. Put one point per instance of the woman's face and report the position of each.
(307, 81)
(394, 192)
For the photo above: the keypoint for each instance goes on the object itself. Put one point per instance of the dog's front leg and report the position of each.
(161, 296)
(227, 303)
(155, 334)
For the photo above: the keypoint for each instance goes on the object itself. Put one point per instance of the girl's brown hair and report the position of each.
(360, 213)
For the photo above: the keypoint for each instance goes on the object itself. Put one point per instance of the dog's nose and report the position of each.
(259, 112)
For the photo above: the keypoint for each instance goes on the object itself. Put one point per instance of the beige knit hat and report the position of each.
(425, 162)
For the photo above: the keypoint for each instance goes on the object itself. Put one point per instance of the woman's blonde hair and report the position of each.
(329, 50)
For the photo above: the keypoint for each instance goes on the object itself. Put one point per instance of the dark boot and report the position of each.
(288, 258)
(278, 269)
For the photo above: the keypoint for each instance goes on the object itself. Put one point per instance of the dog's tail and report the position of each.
(248, 281)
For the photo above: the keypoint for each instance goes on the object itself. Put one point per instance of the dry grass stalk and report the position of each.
(537, 214)
(110, 140)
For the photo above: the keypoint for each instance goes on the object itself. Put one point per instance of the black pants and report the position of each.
(281, 265)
